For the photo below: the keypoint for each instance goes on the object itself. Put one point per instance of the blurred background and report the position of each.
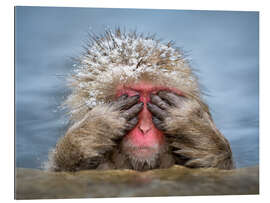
(222, 46)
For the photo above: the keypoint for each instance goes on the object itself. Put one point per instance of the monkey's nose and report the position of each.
(144, 127)
(145, 121)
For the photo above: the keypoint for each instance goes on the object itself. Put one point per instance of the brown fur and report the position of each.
(94, 140)
(87, 141)
(193, 135)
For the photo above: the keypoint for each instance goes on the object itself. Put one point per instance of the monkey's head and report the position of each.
(119, 63)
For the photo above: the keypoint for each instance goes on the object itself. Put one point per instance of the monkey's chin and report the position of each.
(143, 153)
(142, 158)
(143, 150)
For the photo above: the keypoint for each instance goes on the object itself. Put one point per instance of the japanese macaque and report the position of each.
(136, 104)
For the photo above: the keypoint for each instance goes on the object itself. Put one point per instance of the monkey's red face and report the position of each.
(145, 141)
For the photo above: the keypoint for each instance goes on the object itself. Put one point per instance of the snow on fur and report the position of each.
(122, 58)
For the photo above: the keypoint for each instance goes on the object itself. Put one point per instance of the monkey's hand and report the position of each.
(88, 141)
(128, 108)
(192, 135)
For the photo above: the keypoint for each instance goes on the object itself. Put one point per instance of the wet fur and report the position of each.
(88, 141)
(94, 140)
(194, 139)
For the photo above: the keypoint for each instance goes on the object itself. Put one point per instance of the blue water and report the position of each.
(222, 46)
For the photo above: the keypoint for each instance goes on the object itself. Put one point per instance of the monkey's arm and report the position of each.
(88, 141)
(191, 132)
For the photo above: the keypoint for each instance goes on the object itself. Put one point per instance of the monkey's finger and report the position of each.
(127, 102)
(156, 111)
(158, 123)
(117, 102)
(133, 111)
(155, 99)
(130, 101)
(122, 97)
(131, 123)
(171, 98)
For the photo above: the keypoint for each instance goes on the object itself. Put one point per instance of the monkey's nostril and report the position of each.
(145, 125)
(144, 129)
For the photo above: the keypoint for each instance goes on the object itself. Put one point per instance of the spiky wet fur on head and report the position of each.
(117, 58)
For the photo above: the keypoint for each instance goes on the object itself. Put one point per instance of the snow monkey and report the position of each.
(135, 103)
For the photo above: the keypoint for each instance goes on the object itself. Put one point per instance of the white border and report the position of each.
(249, 5)
(7, 84)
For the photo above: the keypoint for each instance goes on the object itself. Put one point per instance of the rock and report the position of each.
(175, 181)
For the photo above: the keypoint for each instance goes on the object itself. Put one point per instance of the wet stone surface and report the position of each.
(175, 181)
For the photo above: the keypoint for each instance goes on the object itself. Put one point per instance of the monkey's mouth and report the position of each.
(143, 152)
